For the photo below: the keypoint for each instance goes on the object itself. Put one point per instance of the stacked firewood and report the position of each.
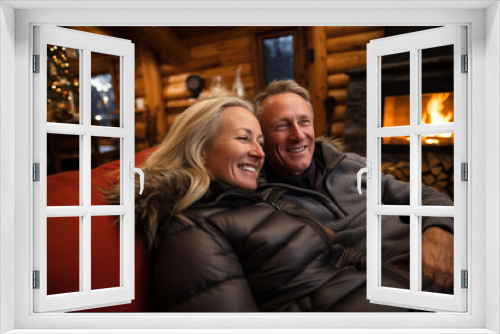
(437, 171)
(400, 170)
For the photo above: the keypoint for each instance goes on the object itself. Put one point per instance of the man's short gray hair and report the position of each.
(281, 87)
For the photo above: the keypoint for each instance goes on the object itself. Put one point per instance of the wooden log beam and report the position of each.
(96, 30)
(338, 129)
(339, 80)
(153, 88)
(332, 32)
(241, 44)
(140, 92)
(178, 90)
(353, 42)
(342, 61)
(316, 77)
(340, 95)
(200, 64)
(339, 113)
(139, 84)
(166, 43)
(183, 103)
(230, 32)
(115, 79)
(226, 71)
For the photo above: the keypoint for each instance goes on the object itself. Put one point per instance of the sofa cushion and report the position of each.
(63, 236)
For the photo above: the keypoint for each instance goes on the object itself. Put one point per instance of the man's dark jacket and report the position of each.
(342, 209)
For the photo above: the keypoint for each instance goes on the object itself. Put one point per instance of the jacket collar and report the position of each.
(332, 156)
(221, 194)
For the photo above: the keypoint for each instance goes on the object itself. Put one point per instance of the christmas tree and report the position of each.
(63, 84)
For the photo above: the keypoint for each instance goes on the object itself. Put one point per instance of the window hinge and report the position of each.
(36, 63)
(465, 279)
(36, 172)
(465, 64)
(464, 171)
(36, 279)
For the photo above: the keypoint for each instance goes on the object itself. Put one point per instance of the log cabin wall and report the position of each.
(161, 70)
(216, 54)
(345, 50)
(336, 49)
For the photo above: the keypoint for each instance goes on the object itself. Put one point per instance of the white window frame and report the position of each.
(413, 44)
(483, 20)
(87, 44)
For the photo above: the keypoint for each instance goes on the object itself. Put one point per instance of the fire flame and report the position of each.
(435, 108)
(435, 115)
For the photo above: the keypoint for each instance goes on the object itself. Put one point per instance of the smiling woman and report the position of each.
(235, 156)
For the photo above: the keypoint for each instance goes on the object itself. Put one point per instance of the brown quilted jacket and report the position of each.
(237, 252)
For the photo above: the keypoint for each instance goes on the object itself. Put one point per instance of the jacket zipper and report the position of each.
(314, 224)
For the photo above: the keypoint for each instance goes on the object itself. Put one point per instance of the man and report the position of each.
(322, 179)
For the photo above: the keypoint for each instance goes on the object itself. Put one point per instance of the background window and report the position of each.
(278, 58)
(103, 100)
(280, 55)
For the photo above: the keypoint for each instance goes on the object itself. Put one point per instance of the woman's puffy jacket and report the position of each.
(236, 252)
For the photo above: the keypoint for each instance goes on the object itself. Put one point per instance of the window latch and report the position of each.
(368, 171)
(133, 170)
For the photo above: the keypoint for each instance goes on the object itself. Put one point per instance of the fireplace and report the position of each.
(436, 108)
(436, 103)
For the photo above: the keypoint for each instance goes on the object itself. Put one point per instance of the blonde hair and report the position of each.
(177, 163)
(180, 153)
(280, 87)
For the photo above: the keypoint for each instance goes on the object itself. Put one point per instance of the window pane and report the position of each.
(432, 281)
(396, 162)
(63, 84)
(437, 85)
(278, 58)
(63, 255)
(438, 166)
(105, 168)
(396, 89)
(63, 155)
(395, 250)
(105, 90)
(105, 263)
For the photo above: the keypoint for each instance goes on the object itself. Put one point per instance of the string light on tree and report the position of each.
(62, 83)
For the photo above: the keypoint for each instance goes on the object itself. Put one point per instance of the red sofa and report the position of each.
(63, 246)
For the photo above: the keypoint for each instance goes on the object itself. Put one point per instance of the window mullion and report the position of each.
(415, 88)
(373, 118)
(86, 155)
(127, 184)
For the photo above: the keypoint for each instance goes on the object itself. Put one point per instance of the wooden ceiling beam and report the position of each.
(166, 43)
(97, 30)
